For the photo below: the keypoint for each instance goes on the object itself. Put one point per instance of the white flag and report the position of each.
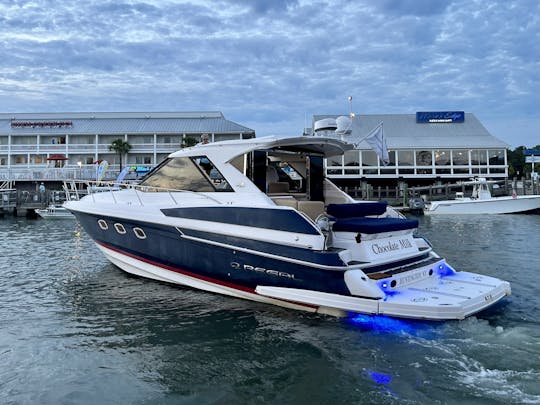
(377, 141)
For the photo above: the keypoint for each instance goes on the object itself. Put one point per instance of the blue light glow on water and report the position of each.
(381, 323)
(380, 378)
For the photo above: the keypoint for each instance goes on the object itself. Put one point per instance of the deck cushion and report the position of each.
(373, 225)
(355, 210)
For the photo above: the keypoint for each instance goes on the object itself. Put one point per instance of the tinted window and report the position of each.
(192, 174)
(210, 171)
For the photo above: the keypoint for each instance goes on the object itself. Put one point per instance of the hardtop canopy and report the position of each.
(228, 150)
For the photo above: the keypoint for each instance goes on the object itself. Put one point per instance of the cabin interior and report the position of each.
(293, 179)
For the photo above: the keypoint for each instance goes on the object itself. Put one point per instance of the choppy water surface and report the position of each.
(76, 329)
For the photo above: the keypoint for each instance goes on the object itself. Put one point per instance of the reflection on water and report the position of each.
(76, 329)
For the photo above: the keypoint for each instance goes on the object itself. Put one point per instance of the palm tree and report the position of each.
(120, 147)
(188, 141)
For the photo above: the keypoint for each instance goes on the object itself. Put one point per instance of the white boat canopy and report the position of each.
(228, 150)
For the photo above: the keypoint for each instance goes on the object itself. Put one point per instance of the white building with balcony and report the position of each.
(46, 143)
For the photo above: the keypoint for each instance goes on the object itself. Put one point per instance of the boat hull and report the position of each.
(177, 256)
(471, 293)
(54, 213)
(147, 269)
(234, 262)
(496, 205)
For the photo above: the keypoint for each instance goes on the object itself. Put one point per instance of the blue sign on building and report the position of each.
(531, 152)
(437, 117)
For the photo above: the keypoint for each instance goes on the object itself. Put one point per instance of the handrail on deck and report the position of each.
(94, 187)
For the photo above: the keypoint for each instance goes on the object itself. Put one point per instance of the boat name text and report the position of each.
(391, 246)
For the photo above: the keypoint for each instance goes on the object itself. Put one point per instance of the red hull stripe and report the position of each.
(180, 271)
(193, 275)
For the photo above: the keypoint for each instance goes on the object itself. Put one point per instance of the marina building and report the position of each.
(76, 141)
(424, 148)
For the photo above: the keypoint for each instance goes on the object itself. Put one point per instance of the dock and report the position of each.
(398, 197)
(23, 199)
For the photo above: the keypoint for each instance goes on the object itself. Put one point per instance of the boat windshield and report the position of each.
(187, 173)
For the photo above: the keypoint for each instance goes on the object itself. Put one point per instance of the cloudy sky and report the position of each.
(271, 65)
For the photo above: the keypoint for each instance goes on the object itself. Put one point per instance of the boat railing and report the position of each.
(75, 190)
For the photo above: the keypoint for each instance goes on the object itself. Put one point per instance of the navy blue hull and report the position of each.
(175, 250)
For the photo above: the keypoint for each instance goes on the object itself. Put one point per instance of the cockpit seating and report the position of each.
(279, 187)
(365, 218)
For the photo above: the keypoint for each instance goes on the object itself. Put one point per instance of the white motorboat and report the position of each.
(204, 218)
(54, 212)
(482, 202)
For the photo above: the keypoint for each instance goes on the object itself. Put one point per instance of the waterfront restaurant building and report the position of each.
(424, 148)
(31, 141)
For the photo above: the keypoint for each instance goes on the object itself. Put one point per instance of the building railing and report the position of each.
(42, 172)
(34, 173)
(344, 172)
(73, 148)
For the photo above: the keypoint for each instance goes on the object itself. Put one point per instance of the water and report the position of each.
(75, 329)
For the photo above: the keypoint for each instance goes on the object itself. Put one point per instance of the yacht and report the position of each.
(482, 202)
(207, 218)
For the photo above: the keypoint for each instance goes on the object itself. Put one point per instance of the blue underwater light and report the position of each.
(380, 378)
(393, 326)
(380, 323)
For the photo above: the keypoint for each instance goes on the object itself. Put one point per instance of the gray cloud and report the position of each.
(269, 65)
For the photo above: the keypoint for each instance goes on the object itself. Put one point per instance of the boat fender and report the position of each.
(361, 285)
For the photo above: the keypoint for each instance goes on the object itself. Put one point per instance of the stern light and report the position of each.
(387, 287)
(387, 284)
(444, 270)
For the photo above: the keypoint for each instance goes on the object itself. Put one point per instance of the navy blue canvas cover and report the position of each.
(355, 210)
(373, 225)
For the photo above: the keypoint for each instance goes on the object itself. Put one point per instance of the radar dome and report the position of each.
(344, 125)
